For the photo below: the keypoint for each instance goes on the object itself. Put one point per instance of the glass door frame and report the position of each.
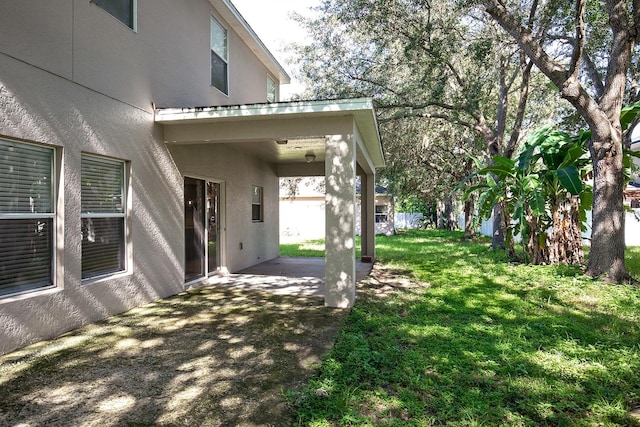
(213, 215)
(221, 227)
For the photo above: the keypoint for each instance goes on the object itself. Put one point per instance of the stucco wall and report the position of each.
(74, 77)
(238, 172)
(40, 107)
(166, 61)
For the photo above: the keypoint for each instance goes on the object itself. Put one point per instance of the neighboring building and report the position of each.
(302, 216)
(117, 189)
(384, 213)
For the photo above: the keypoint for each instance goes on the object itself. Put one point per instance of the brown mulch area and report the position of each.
(206, 357)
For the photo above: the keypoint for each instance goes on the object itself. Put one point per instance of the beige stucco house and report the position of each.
(141, 143)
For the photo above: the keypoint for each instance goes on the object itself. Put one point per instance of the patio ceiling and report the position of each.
(287, 151)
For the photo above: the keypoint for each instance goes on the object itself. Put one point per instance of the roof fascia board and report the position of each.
(345, 106)
(363, 149)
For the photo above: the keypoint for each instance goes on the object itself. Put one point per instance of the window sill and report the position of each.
(220, 91)
(10, 298)
(111, 276)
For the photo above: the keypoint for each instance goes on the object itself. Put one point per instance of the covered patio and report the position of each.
(286, 276)
(337, 139)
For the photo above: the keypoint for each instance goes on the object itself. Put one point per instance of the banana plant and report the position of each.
(544, 192)
(549, 169)
(563, 166)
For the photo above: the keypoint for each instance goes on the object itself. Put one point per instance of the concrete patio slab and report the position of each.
(285, 276)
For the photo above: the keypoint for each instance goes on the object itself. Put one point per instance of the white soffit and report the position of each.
(361, 109)
(237, 22)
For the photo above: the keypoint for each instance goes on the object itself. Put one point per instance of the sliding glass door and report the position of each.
(213, 226)
(194, 230)
(202, 225)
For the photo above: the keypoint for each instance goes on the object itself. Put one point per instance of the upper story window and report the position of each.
(271, 90)
(219, 57)
(103, 202)
(123, 10)
(27, 217)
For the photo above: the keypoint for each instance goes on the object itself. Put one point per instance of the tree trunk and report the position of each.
(602, 116)
(440, 216)
(450, 214)
(469, 232)
(607, 236)
(504, 229)
(446, 215)
(537, 248)
(497, 236)
(565, 243)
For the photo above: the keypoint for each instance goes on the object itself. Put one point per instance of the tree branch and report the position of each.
(587, 64)
(578, 44)
(592, 71)
(570, 87)
(522, 103)
(620, 57)
(525, 39)
(411, 114)
(455, 73)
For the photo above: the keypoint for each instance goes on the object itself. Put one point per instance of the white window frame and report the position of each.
(125, 248)
(134, 18)
(52, 215)
(225, 59)
(382, 217)
(272, 91)
(260, 203)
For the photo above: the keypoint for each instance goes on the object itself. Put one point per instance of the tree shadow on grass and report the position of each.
(206, 357)
(486, 348)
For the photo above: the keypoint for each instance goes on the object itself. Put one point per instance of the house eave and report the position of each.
(361, 109)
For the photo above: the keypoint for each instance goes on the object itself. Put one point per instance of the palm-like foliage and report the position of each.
(543, 195)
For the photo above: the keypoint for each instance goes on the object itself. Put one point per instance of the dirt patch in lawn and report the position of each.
(206, 357)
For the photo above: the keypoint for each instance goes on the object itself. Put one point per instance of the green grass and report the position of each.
(309, 249)
(476, 340)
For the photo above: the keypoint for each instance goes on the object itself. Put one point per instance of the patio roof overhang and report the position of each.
(339, 136)
(280, 133)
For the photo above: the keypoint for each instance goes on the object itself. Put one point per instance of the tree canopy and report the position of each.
(452, 78)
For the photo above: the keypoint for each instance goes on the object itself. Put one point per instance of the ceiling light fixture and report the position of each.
(281, 141)
(310, 157)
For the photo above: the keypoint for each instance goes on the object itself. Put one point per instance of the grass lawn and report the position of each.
(310, 249)
(447, 332)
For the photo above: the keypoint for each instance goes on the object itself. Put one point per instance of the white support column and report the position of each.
(340, 179)
(368, 217)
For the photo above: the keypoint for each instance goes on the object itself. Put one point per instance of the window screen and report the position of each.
(103, 216)
(219, 57)
(26, 217)
(256, 204)
(381, 213)
(271, 90)
(123, 10)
